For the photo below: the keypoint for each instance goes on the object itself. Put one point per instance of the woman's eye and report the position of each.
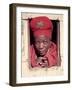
(45, 42)
(37, 42)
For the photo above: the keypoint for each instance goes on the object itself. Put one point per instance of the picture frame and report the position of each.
(21, 73)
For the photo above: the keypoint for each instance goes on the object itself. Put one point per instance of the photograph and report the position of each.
(39, 44)
(43, 40)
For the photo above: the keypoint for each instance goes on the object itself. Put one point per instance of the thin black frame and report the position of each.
(12, 41)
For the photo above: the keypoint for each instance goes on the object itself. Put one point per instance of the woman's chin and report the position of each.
(42, 54)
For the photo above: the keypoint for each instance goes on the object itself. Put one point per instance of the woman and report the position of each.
(43, 53)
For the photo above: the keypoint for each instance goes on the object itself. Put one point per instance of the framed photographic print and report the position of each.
(39, 44)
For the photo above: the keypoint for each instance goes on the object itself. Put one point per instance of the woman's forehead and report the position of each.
(41, 37)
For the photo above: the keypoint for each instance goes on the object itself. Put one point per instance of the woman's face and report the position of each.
(42, 44)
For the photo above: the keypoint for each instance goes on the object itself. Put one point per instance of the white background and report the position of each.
(4, 45)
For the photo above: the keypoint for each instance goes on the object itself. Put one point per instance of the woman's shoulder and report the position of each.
(53, 47)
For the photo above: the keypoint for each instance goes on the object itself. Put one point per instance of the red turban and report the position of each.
(41, 25)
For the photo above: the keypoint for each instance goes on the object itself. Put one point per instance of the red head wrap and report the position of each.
(41, 26)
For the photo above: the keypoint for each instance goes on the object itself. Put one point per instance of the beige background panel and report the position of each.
(27, 15)
(25, 40)
(30, 72)
(27, 71)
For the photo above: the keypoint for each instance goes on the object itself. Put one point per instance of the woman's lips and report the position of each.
(41, 50)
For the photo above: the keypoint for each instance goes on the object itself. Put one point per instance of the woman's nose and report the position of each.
(41, 45)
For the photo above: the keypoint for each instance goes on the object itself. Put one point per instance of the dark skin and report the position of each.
(42, 44)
